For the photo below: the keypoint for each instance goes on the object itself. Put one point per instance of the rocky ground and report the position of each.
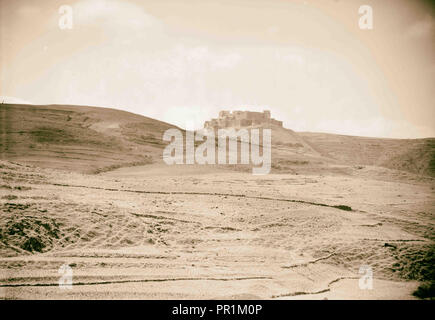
(201, 232)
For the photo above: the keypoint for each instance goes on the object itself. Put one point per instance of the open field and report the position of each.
(158, 232)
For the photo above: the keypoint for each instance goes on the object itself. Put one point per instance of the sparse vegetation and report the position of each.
(10, 197)
(343, 207)
(51, 135)
(30, 234)
(425, 291)
(33, 244)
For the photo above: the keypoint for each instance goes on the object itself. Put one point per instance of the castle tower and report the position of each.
(223, 114)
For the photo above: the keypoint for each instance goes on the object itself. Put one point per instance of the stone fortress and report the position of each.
(238, 119)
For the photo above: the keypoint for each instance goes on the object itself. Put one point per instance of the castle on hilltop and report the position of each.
(238, 119)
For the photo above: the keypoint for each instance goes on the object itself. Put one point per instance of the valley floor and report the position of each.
(186, 232)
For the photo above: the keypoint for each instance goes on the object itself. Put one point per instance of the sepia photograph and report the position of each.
(217, 150)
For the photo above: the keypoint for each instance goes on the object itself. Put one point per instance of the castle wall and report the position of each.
(241, 119)
(276, 122)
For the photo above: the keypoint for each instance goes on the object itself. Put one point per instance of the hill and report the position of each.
(93, 139)
(412, 155)
(78, 138)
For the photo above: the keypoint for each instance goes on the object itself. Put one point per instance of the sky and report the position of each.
(182, 61)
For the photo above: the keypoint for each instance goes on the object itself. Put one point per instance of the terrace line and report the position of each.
(205, 153)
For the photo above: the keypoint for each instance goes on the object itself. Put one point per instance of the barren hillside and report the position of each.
(91, 139)
(412, 155)
(78, 138)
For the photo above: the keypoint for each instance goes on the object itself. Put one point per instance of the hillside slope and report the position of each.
(412, 155)
(93, 139)
(78, 138)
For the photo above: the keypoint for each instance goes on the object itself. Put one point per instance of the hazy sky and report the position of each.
(179, 61)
